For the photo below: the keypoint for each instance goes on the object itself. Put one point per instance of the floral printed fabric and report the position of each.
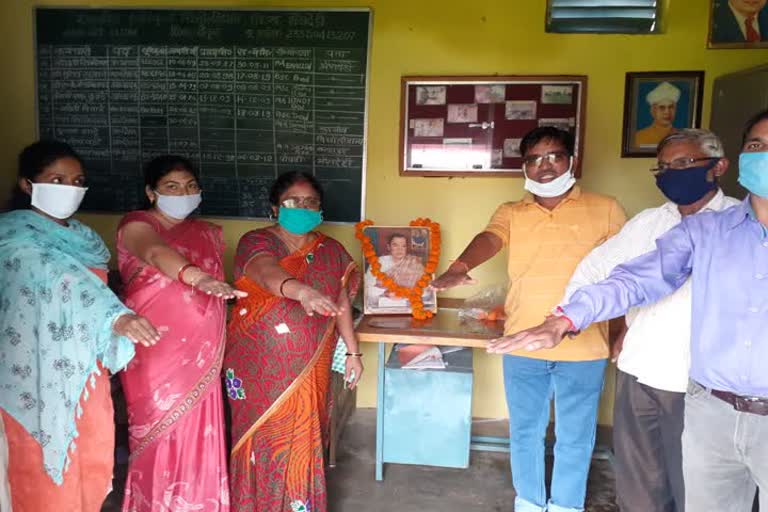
(234, 386)
(55, 324)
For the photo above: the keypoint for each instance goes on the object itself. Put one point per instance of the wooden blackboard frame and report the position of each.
(360, 208)
(406, 137)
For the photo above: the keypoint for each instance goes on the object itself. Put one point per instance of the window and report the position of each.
(603, 16)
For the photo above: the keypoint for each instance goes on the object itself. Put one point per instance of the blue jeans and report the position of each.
(575, 387)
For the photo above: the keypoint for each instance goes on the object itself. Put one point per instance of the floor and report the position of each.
(485, 486)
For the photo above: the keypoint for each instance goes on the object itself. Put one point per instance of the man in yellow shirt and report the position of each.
(548, 232)
(663, 104)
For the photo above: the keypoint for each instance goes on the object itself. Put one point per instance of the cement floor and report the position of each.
(484, 487)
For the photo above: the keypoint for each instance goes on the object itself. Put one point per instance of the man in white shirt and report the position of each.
(653, 363)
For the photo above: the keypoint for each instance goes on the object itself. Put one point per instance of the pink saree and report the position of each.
(173, 390)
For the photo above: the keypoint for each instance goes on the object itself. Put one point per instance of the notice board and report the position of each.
(473, 125)
(245, 94)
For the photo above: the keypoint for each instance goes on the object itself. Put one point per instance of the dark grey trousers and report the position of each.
(647, 431)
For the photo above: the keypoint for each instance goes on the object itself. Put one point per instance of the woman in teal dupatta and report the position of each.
(60, 328)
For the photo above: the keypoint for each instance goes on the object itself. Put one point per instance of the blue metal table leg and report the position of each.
(380, 415)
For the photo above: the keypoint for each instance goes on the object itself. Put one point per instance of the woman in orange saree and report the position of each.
(279, 348)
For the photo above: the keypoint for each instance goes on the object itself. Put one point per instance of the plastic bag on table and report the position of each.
(487, 304)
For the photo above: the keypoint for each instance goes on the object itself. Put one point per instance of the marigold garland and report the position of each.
(413, 294)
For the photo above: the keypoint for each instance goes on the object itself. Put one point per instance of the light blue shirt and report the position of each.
(726, 253)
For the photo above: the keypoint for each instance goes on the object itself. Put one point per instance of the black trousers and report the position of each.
(647, 429)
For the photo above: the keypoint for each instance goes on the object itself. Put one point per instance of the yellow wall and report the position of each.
(442, 37)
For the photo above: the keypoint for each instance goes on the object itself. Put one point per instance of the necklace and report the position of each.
(292, 246)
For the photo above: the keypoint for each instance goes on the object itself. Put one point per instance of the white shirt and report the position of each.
(657, 345)
(742, 21)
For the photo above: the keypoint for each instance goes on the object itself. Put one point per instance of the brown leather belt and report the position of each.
(751, 404)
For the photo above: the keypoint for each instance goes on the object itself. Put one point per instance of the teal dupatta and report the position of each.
(56, 321)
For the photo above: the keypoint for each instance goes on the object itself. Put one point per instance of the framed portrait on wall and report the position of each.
(738, 24)
(655, 105)
(402, 252)
(472, 125)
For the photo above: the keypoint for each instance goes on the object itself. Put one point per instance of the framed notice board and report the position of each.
(245, 94)
(472, 125)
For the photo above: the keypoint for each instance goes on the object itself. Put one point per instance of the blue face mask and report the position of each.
(299, 220)
(753, 172)
(686, 186)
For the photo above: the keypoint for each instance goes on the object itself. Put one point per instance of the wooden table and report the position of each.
(445, 328)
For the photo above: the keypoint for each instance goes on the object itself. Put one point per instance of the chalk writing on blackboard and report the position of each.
(245, 94)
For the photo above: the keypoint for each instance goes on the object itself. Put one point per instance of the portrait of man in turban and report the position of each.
(657, 104)
(662, 102)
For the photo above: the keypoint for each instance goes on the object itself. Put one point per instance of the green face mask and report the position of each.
(299, 220)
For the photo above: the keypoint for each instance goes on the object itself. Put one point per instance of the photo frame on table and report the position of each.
(472, 125)
(402, 252)
(656, 104)
(738, 24)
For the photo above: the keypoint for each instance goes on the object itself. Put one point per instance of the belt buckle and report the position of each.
(750, 404)
(741, 403)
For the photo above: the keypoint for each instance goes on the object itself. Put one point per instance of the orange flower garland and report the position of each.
(414, 294)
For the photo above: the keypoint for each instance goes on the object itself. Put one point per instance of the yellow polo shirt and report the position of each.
(544, 249)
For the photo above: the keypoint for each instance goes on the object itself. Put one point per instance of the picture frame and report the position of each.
(728, 26)
(472, 125)
(657, 103)
(402, 252)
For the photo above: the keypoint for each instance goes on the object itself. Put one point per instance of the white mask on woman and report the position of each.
(554, 188)
(178, 207)
(58, 201)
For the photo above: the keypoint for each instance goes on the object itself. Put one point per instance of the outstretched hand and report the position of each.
(137, 329)
(315, 302)
(212, 286)
(451, 279)
(547, 334)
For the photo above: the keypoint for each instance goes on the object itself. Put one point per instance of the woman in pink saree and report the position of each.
(172, 272)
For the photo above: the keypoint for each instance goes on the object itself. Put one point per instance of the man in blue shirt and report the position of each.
(725, 441)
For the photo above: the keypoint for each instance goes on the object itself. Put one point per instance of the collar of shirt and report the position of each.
(573, 195)
(750, 213)
(742, 21)
(716, 204)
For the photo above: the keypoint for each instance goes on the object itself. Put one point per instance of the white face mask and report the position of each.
(58, 201)
(178, 207)
(554, 188)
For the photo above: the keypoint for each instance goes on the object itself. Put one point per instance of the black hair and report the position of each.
(163, 165)
(757, 118)
(552, 133)
(33, 160)
(396, 235)
(289, 179)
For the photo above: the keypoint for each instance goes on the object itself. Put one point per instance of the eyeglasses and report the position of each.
(308, 203)
(557, 157)
(679, 164)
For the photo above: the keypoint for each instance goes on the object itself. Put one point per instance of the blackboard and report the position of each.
(245, 94)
